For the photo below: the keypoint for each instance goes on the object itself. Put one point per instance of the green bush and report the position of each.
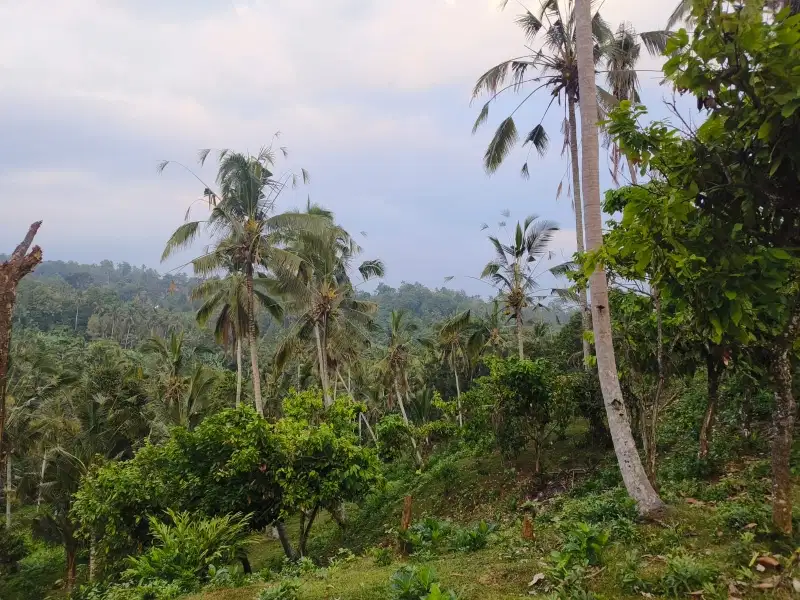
(186, 550)
(36, 573)
(394, 437)
(473, 538)
(12, 549)
(383, 557)
(287, 589)
(685, 574)
(418, 583)
(151, 590)
(736, 515)
(583, 545)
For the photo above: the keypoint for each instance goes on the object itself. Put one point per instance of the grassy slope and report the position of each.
(484, 488)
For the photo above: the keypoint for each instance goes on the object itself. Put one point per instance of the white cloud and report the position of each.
(196, 73)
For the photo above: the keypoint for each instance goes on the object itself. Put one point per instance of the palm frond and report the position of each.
(504, 139)
(655, 41)
(491, 79)
(681, 13)
(182, 237)
(482, 116)
(538, 138)
(372, 268)
(529, 24)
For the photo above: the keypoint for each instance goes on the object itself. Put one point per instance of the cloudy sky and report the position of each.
(371, 96)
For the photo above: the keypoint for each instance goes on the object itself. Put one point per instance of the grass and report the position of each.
(691, 545)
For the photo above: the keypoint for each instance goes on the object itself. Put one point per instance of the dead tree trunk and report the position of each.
(12, 271)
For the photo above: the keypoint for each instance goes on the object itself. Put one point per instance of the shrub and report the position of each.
(474, 538)
(613, 509)
(12, 549)
(383, 557)
(685, 574)
(185, 551)
(394, 437)
(36, 573)
(287, 589)
(736, 515)
(418, 582)
(583, 545)
(152, 590)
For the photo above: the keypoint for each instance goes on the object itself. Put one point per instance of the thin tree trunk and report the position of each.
(77, 306)
(520, 348)
(41, 480)
(782, 427)
(92, 559)
(251, 326)
(72, 566)
(8, 489)
(458, 397)
(286, 543)
(417, 455)
(323, 367)
(633, 473)
(371, 433)
(586, 317)
(632, 171)
(238, 371)
(711, 408)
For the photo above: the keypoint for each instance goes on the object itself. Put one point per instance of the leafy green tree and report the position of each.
(512, 271)
(735, 244)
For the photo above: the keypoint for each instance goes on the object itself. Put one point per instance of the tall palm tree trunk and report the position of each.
(41, 480)
(417, 455)
(586, 316)
(323, 366)
(519, 337)
(8, 489)
(630, 464)
(238, 371)
(251, 338)
(458, 396)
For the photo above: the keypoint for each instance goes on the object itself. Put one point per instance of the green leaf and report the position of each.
(736, 313)
(730, 294)
(765, 130)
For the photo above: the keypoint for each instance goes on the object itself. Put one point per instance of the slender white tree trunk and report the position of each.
(417, 455)
(586, 316)
(633, 473)
(323, 367)
(251, 335)
(520, 348)
(369, 428)
(41, 480)
(458, 397)
(8, 490)
(238, 371)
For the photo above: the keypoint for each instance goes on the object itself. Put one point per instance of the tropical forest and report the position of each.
(273, 420)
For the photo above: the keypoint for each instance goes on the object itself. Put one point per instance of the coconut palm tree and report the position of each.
(512, 271)
(551, 68)
(633, 473)
(488, 332)
(451, 342)
(227, 298)
(395, 363)
(322, 297)
(244, 232)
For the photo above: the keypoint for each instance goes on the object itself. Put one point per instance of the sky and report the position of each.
(372, 97)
